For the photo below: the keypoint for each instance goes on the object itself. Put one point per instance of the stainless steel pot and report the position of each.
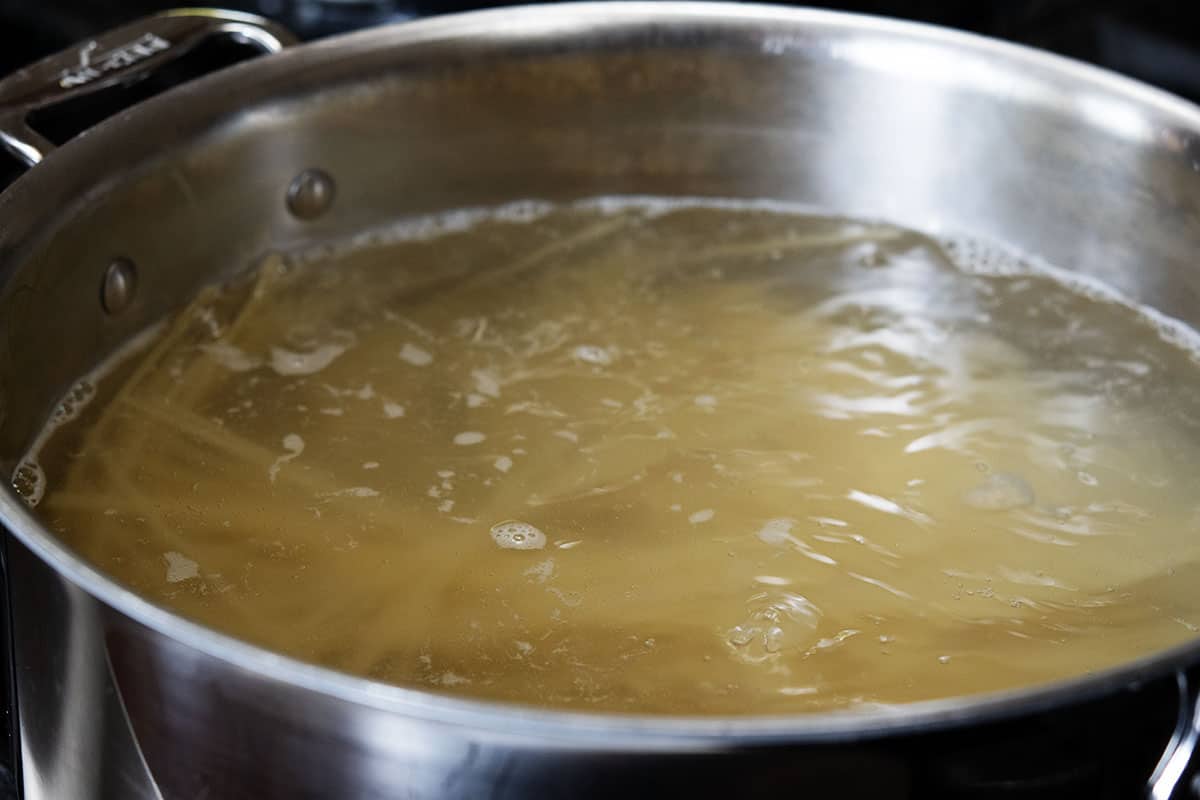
(930, 129)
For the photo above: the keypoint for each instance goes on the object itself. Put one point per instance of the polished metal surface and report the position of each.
(933, 130)
(118, 286)
(1168, 779)
(119, 56)
(310, 194)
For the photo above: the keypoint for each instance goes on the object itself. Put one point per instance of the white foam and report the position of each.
(393, 410)
(289, 362)
(970, 253)
(467, 438)
(452, 679)
(294, 445)
(521, 212)
(417, 356)
(777, 531)
(516, 535)
(180, 567)
(354, 491)
(486, 383)
(29, 479)
(503, 463)
(524, 211)
(701, 516)
(593, 354)
(231, 357)
(73, 402)
(979, 256)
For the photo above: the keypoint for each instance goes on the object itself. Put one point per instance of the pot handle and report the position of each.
(120, 56)
(1177, 775)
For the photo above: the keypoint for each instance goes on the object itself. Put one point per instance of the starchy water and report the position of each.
(651, 456)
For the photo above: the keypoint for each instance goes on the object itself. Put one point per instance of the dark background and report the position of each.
(1157, 41)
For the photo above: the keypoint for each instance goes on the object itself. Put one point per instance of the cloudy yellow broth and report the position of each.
(652, 457)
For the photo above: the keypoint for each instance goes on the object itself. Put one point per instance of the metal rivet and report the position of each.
(310, 194)
(117, 289)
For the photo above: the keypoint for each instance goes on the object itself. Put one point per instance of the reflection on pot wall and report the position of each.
(1157, 41)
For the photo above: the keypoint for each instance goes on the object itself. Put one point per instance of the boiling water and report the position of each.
(642, 457)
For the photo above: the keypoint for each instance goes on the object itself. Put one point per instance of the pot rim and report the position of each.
(560, 728)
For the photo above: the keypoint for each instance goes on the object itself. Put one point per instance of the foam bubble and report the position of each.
(777, 531)
(452, 679)
(29, 480)
(294, 445)
(289, 362)
(515, 535)
(523, 211)
(593, 354)
(180, 567)
(73, 402)
(417, 356)
(977, 256)
(424, 228)
(467, 438)
(231, 357)
(354, 491)
(972, 255)
(486, 383)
